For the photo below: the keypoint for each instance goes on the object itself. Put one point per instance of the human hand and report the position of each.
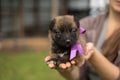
(89, 51)
(61, 66)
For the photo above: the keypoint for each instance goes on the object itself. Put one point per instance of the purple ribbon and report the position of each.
(77, 47)
(82, 30)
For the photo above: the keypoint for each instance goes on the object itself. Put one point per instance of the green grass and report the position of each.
(26, 66)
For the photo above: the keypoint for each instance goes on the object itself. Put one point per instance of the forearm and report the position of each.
(103, 67)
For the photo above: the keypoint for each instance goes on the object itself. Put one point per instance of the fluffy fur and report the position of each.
(63, 34)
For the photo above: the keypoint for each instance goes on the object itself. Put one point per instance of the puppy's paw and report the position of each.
(52, 61)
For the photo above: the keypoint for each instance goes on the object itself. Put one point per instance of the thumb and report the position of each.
(89, 50)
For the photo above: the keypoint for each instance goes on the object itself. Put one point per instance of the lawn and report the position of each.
(26, 66)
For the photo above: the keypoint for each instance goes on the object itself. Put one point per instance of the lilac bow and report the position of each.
(82, 30)
(77, 47)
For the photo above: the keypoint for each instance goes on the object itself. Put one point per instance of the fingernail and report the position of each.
(72, 62)
(47, 58)
(63, 66)
(68, 64)
(51, 66)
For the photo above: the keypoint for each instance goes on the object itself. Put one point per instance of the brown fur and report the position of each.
(66, 20)
(58, 22)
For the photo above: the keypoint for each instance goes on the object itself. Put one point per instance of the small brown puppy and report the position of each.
(64, 32)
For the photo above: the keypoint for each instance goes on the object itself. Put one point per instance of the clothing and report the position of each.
(94, 26)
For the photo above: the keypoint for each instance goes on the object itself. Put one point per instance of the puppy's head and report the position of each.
(64, 30)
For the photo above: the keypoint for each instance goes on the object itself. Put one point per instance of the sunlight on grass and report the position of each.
(26, 66)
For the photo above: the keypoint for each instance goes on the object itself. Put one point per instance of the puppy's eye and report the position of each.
(73, 30)
(57, 32)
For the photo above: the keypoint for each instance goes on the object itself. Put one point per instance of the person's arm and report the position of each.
(105, 69)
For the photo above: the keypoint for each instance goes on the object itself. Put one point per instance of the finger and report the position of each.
(47, 58)
(89, 47)
(62, 66)
(73, 62)
(68, 64)
(51, 65)
(89, 54)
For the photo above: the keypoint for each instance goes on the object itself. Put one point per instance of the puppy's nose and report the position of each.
(68, 41)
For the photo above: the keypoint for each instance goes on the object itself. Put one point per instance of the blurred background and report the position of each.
(23, 34)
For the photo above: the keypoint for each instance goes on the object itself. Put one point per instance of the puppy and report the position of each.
(64, 32)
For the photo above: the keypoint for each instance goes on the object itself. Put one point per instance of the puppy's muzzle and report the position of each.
(68, 41)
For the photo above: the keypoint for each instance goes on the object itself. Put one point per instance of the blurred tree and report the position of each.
(36, 16)
(20, 19)
(0, 17)
(55, 8)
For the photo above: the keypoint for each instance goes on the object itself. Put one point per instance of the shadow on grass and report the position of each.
(26, 66)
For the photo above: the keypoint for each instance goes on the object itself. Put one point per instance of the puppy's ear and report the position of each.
(76, 19)
(51, 25)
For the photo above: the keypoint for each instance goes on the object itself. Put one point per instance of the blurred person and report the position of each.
(103, 47)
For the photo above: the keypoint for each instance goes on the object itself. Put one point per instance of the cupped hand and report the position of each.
(61, 66)
(89, 53)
